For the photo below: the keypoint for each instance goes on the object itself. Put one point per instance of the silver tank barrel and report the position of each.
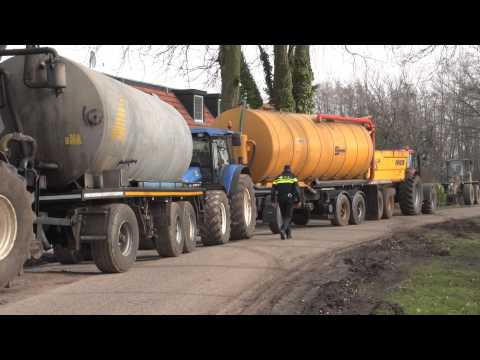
(98, 124)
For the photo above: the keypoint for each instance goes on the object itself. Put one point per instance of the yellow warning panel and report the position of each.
(73, 139)
(161, 193)
(119, 128)
(390, 165)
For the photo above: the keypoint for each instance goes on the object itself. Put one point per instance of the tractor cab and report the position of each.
(213, 158)
(459, 168)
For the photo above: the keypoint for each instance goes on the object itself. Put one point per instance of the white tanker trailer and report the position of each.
(93, 167)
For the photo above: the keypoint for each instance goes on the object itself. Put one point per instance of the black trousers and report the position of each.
(286, 209)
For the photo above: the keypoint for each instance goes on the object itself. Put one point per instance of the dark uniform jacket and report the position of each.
(285, 188)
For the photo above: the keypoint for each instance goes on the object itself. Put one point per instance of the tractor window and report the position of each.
(201, 152)
(221, 155)
(455, 168)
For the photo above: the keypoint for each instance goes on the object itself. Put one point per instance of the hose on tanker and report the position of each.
(23, 139)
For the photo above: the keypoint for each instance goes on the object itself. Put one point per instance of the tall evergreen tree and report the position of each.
(302, 79)
(268, 71)
(282, 80)
(248, 87)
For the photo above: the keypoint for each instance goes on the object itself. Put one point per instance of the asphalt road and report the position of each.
(211, 280)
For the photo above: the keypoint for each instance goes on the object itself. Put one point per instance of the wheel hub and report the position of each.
(178, 233)
(192, 229)
(125, 237)
(8, 227)
(223, 213)
(247, 207)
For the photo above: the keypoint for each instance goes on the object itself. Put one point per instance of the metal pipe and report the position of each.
(367, 120)
(29, 51)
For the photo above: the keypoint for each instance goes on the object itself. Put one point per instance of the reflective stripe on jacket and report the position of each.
(284, 189)
(285, 180)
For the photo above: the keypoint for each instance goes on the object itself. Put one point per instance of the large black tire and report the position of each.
(410, 196)
(388, 202)
(189, 227)
(358, 209)
(341, 210)
(301, 217)
(243, 209)
(169, 239)
(377, 215)
(430, 200)
(16, 223)
(275, 217)
(118, 252)
(215, 229)
(477, 194)
(468, 194)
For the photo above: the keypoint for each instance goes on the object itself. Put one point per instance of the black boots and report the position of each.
(285, 234)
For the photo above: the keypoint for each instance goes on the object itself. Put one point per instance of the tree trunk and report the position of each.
(302, 78)
(282, 80)
(230, 60)
(248, 87)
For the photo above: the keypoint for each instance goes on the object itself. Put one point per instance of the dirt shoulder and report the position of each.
(434, 269)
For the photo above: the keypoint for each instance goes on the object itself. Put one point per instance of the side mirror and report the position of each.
(236, 139)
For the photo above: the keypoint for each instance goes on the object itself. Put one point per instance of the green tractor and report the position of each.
(459, 185)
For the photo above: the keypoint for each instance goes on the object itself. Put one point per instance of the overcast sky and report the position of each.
(329, 62)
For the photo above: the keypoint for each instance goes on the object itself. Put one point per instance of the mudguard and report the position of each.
(229, 177)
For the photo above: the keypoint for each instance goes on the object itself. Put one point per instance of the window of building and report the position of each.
(198, 108)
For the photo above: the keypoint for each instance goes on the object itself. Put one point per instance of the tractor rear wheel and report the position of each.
(429, 198)
(377, 215)
(243, 209)
(477, 194)
(410, 196)
(16, 223)
(388, 202)
(468, 194)
(215, 229)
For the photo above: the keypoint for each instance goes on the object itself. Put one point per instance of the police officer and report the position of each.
(285, 192)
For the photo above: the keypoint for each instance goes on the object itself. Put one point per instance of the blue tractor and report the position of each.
(230, 207)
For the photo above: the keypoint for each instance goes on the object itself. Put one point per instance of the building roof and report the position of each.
(169, 96)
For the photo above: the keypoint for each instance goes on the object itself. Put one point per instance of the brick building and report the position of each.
(198, 108)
